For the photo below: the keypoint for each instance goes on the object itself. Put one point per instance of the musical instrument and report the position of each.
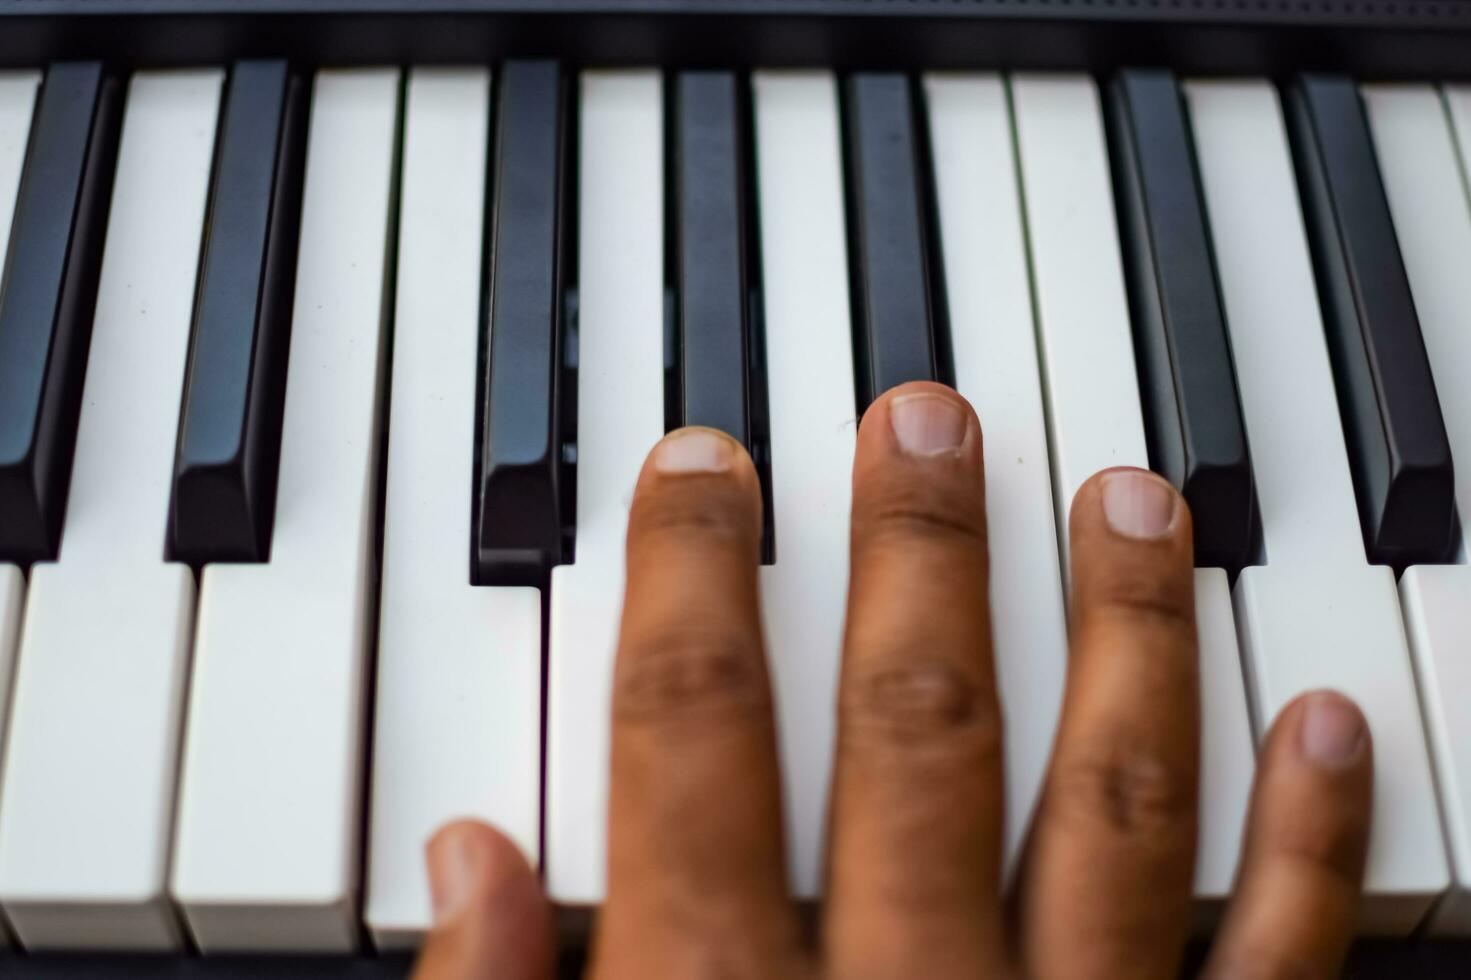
(333, 334)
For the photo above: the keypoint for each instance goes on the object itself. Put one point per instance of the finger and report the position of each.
(1295, 906)
(696, 871)
(915, 859)
(491, 921)
(1106, 887)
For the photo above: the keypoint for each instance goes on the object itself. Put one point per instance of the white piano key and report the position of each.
(1316, 614)
(12, 597)
(620, 415)
(809, 368)
(1427, 199)
(1083, 332)
(995, 353)
(17, 101)
(103, 661)
(1092, 395)
(457, 714)
(1437, 609)
(267, 850)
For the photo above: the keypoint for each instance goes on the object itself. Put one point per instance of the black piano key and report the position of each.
(230, 430)
(47, 295)
(1194, 426)
(894, 337)
(719, 377)
(1397, 444)
(713, 307)
(519, 516)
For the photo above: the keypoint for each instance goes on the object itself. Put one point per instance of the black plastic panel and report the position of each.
(1384, 38)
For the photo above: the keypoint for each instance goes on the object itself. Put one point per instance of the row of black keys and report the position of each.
(231, 416)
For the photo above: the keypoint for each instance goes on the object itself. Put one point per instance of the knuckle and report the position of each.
(1151, 602)
(715, 514)
(686, 676)
(1132, 794)
(919, 702)
(922, 511)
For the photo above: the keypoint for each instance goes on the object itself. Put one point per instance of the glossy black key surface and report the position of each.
(230, 430)
(1187, 380)
(47, 294)
(1398, 449)
(518, 520)
(894, 339)
(713, 325)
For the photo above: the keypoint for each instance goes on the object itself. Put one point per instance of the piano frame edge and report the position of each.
(1383, 39)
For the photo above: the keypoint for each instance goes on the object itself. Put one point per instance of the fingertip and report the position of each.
(1296, 902)
(697, 450)
(473, 864)
(920, 420)
(1131, 504)
(1331, 731)
(490, 917)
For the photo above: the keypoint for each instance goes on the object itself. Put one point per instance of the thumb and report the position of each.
(491, 921)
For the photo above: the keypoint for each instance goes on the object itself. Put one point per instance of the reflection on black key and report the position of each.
(894, 342)
(229, 438)
(1397, 443)
(46, 302)
(711, 254)
(1187, 380)
(518, 523)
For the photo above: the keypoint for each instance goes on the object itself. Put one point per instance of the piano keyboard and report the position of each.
(322, 396)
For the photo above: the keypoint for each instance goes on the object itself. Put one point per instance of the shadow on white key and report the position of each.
(620, 416)
(1095, 419)
(810, 388)
(995, 353)
(457, 711)
(1316, 614)
(267, 849)
(1423, 179)
(104, 652)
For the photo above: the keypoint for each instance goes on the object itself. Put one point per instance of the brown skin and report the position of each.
(696, 874)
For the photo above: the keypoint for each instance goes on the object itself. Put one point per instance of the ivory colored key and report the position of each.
(267, 850)
(457, 715)
(1316, 614)
(995, 350)
(1423, 181)
(91, 759)
(1094, 412)
(620, 406)
(809, 372)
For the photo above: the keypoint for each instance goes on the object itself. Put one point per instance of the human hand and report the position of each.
(696, 866)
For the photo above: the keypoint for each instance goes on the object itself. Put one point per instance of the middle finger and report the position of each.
(917, 796)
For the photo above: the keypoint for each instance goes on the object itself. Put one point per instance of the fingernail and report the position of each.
(1332, 730)
(1138, 504)
(693, 451)
(455, 862)
(927, 425)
